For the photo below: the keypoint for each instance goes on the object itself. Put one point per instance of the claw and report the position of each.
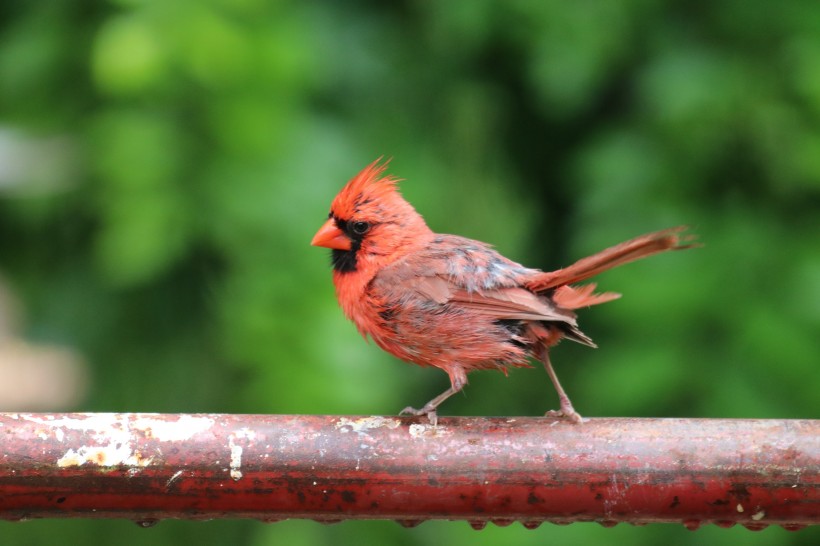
(569, 414)
(429, 412)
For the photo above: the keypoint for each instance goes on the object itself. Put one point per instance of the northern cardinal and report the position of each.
(452, 302)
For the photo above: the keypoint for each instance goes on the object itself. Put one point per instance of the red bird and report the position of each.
(452, 302)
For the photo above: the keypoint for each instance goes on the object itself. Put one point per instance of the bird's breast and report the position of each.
(357, 302)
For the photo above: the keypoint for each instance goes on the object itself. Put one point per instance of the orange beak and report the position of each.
(329, 236)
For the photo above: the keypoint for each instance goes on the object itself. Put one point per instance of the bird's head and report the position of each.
(370, 222)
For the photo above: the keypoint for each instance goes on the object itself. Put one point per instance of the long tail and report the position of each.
(639, 247)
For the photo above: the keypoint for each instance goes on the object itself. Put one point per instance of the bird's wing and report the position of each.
(510, 302)
(470, 274)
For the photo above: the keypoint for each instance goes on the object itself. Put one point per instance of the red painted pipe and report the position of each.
(149, 467)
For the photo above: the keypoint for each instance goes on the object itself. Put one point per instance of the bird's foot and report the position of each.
(430, 412)
(567, 413)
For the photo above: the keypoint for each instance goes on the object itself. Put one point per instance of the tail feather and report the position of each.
(639, 247)
(575, 297)
(547, 334)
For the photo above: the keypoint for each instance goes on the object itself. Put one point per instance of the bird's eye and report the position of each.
(360, 228)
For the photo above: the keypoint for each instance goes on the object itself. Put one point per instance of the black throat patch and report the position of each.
(344, 261)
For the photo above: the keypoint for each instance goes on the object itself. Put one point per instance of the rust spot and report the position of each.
(675, 502)
(349, 496)
(532, 498)
(718, 502)
(740, 491)
(61, 500)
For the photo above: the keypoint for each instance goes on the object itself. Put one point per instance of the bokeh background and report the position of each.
(164, 164)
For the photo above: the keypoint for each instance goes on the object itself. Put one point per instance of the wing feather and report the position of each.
(502, 303)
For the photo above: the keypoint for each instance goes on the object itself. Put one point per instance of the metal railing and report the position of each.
(149, 467)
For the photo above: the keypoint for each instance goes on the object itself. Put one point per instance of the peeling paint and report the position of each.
(236, 460)
(236, 451)
(364, 424)
(103, 423)
(117, 434)
(110, 430)
(184, 428)
(418, 430)
(759, 515)
(110, 455)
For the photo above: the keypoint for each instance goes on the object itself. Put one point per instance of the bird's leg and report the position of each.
(429, 408)
(566, 411)
(457, 381)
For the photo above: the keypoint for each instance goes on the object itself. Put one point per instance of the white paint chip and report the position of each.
(235, 463)
(114, 454)
(164, 430)
(109, 441)
(418, 430)
(364, 424)
(110, 436)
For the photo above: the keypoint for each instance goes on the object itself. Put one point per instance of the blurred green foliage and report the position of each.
(164, 233)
